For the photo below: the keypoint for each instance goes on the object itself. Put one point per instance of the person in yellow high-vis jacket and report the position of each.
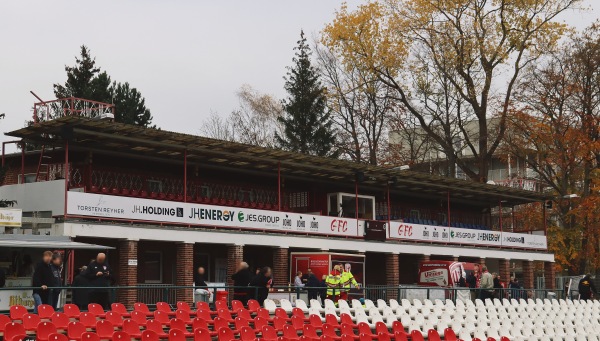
(334, 283)
(347, 279)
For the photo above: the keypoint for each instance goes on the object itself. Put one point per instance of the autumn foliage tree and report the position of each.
(554, 127)
(477, 47)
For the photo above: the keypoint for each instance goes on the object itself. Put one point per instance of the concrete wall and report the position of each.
(37, 196)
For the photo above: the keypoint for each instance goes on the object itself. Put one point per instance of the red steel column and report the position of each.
(185, 175)
(128, 274)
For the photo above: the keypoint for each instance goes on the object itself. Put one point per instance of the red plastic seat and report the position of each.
(416, 335)
(120, 308)
(264, 313)
(221, 323)
(177, 335)
(326, 338)
(139, 317)
(181, 326)
(225, 315)
(13, 329)
(185, 307)
(201, 323)
(45, 311)
(60, 320)
(348, 330)
(449, 335)
(149, 335)
(57, 337)
(247, 334)
(259, 323)
(245, 314)
(44, 330)
(88, 320)
(433, 335)
(71, 310)
(105, 329)
(132, 328)
(384, 337)
(204, 314)
(201, 305)
(17, 312)
(184, 316)
(278, 323)
(226, 334)
(157, 327)
(121, 336)
(400, 336)
(162, 317)
(309, 331)
(364, 328)
(347, 319)
(381, 328)
(237, 305)
(75, 330)
(31, 321)
(4, 319)
(504, 338)
(115, 318)
(297, 322)
(165, 308)
(96, 309)
(329, 330)
(332, 320)
(142, 308)
(315, 321)
(269, 333)
(202, 334)
(290, 333)
(221, 304)
(20, 337)
(279, 312)
(253, 306)
(240, 323)
(298, 312)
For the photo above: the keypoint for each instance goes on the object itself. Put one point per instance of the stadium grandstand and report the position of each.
(162, 204)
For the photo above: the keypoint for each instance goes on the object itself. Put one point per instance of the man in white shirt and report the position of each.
(298, 280)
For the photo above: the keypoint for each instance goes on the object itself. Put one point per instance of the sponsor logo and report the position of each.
(520, 240)
(462, 235)
(405, 230)
(339, 225)
(240, 217)
(433, 273)
(314, 224)
(211, 214)
(158, 210)
(301, 223)
(287, 222)
(263, 218)
(488, 237)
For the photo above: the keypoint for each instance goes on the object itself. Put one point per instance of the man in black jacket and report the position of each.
(586, 288)
(99, 275)
(42, 279)
(241, 279)
(80, 294)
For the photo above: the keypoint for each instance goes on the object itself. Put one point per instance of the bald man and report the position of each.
(99, 274)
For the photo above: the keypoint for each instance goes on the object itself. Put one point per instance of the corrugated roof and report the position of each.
(103, 135)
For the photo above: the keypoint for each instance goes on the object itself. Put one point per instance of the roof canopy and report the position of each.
(45, 242)
(133, 141)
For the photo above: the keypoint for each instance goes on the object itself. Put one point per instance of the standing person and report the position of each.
(298, 280)
(313, 284)
(42, 279)
(486, 284)
(334, 283)
(586, 288)
(515, 288)
(241, 279)
(56, 266)
(347, 279)
(323, 286)
(263, 282)
(462, 281)
(306, 276)
(80, 295)
(99, 274)
(473, 281)
(199, 278)
(498, 288)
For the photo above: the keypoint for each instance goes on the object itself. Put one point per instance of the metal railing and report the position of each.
(151, 294)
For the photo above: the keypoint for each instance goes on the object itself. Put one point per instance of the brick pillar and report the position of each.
(281, 267)
(550, 275)
(424, 258)
(528, 274)
(235, 255)
(128, 274)
(504, 271)
(392, 274)
(185, 272)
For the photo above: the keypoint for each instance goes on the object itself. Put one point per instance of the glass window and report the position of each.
(153, 266)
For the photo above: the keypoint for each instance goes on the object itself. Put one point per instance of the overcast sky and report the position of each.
(188, 58)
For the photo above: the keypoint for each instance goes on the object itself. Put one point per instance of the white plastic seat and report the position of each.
(329, 304)
(344, 304)
(286, 305)
(270, 305)
(300, 304)
(314, 304)
(394, 304)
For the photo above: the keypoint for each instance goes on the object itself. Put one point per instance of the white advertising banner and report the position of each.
(137, 209)
(528, 241)
(10, 217)
(9, 298)
(454, 235)
(475, 237)
(438, 276)
(418, 232)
